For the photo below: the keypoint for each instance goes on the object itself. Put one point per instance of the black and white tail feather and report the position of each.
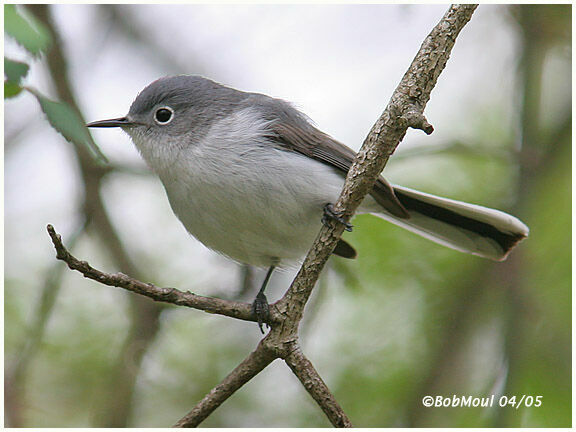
(465, 227)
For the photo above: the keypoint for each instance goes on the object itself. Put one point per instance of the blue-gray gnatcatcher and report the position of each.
(250, 177)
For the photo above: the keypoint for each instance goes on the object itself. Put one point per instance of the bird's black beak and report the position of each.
(117, 122)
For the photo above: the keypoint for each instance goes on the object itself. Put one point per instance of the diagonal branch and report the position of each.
(316, 387)
(404, 110)
(244, 372)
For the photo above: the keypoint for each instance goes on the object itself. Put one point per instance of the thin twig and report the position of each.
(317, 388)
(167, 295)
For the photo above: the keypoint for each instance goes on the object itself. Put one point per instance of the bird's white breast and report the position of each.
(241, 195)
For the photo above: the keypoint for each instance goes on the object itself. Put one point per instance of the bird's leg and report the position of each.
(330, 213)
(260, 308)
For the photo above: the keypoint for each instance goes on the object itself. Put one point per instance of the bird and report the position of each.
(251, 177)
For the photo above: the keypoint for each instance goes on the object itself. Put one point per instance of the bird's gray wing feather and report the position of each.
(309, 141)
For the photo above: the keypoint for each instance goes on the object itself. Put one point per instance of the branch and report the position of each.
(404, 110)
(244, 372)
(167, 295)
(317, 388)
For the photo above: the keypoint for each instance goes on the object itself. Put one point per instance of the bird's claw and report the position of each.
(261, 310)
(330, 213)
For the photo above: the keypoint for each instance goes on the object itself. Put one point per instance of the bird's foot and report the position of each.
(261, 310)
(330, 213)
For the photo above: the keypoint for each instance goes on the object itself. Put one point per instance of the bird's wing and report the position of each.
(311, 142)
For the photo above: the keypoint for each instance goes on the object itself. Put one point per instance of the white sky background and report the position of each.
(339, 64)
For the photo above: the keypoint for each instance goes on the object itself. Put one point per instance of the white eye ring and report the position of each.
(163, 115)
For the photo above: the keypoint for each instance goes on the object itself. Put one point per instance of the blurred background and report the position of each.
(408, 318)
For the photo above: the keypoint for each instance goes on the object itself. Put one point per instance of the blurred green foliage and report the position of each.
(35, 38)
(11, 89)
(69, 123)
(14, 71)
(29, 33)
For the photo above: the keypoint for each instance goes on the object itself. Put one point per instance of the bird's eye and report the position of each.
(164, 115)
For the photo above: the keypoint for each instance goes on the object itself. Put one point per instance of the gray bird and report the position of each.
(251, 178)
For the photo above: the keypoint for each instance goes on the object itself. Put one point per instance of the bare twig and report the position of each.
(244, 372)
(167, 295)
(316, 387)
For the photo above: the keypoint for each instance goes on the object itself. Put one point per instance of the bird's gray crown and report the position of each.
(183, 92)
(198, 103)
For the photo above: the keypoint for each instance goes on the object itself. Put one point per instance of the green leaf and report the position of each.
(67, 121)
(29, 33)
(11, 89)
(15, 70)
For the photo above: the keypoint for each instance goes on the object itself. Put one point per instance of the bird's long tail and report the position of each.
(465, 227)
